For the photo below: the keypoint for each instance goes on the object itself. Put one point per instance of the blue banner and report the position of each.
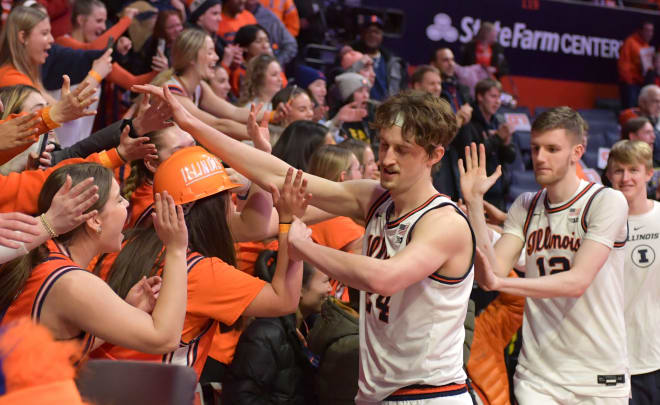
(541, 38)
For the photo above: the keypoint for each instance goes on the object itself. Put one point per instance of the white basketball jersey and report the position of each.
(577, 343)
(642, 291)
(414, 337)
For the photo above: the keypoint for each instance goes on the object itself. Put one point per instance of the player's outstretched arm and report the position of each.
(351, 198)
(428, 251)
(606, 224)
(571, 282)
(474, 184)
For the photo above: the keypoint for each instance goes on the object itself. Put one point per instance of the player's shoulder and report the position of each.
(609, 197)
(526, 199)
(444, 221)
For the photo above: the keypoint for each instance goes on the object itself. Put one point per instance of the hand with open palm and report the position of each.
(475, 182)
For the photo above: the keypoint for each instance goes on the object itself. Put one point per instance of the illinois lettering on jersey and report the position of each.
(394, 355)
(642, 287)
(578, 343)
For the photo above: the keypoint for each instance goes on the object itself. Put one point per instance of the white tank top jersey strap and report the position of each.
(411, 343)
(176, 88)
(642, 291)
(577, 343)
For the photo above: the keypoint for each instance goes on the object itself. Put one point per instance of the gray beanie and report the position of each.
(349, 83)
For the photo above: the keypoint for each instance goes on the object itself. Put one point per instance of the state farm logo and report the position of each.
(441, 29)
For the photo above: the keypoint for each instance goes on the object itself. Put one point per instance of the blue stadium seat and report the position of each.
(515, 190)
(519, 109)
(612, 137)
(590, 159)
(522, 140)
(524, 178)
(518, 164)
(596, 140)
(597, 114)
(602, 126)
(539, 110)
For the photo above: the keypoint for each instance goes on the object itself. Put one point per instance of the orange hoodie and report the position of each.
(630, 62)
(42, 126)
(20, 191)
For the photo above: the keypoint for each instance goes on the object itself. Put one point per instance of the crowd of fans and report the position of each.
(91, 167)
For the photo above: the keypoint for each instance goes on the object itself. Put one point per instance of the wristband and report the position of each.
(95, 75)
(46, 225)
(48, 120)
(284, 228)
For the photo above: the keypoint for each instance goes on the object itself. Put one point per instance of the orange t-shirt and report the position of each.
(20, 191)
(224, 342)
(30, 301)
(337, 233)
(217, 292)
(229, 26)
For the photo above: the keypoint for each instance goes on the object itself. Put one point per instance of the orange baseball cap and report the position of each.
(191, 174)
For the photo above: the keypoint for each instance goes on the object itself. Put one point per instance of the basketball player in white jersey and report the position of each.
(419, 246)
(629, 168)
(573, 234)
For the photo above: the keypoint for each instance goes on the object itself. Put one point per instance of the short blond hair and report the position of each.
(629, 152)
(564, 118)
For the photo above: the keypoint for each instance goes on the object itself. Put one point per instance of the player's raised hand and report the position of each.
(474, 179)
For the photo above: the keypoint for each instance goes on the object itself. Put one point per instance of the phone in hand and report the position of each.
(111, 43)
(161, 46)
(43, 142)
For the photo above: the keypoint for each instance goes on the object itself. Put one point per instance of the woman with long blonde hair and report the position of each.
(24, 45)
(193, 63)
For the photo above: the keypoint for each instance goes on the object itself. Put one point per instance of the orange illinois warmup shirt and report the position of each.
(337, 233)
(229, 26)
(30, 301)
(217, 292)
(20, 191)
(225, 341)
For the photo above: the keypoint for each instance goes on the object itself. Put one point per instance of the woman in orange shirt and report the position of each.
(337, 164)
(217, 291)
(89, 19)
(50, 284)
